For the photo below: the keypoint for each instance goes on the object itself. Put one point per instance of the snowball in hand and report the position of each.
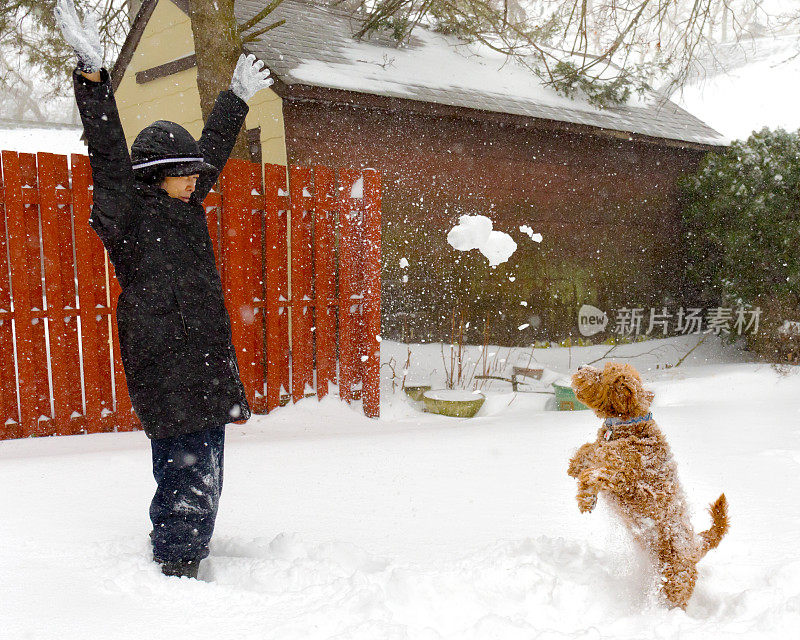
(83, 38)
(475, 232)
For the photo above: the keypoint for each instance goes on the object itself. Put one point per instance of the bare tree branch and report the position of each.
(601, 48)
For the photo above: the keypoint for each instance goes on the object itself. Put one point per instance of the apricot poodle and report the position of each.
(631, 464)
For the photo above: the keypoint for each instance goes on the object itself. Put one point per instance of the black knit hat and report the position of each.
(166, 149)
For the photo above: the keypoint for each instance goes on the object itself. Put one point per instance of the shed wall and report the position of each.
(607, 208)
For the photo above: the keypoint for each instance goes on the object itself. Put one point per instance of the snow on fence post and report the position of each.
(276, 282)
(372, 293)
(302, 305)
(325, 277)
(241, 259)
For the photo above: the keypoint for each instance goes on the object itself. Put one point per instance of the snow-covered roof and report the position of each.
(315, 47)
(32, 137)
(742, 87)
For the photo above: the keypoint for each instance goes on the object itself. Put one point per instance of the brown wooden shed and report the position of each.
(456, 129)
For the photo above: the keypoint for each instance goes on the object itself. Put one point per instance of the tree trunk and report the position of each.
(217, 45)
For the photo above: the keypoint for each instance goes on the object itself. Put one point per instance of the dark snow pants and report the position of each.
(188, 471)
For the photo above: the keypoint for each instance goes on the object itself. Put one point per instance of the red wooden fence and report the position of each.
(300, 263)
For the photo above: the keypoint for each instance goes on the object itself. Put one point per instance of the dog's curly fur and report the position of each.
(632, 466)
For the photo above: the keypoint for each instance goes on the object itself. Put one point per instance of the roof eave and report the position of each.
(298, 92)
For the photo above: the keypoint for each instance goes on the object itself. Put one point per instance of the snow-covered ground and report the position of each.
(417, 526)
(32, 137)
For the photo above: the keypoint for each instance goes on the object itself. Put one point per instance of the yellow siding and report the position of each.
(167, 37)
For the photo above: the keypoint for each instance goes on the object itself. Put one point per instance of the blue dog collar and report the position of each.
(610, 423)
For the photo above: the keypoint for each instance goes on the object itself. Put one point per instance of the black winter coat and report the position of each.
(174, 330)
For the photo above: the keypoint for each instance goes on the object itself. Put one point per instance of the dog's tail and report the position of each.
(719, 526)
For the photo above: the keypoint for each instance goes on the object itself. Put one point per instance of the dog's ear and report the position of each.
(624, 396)
(645, 399)
(628, 395)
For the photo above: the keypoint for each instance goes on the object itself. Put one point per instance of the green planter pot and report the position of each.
(453, 403)
(566, 400)
(415, 391)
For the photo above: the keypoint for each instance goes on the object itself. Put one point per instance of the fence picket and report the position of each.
(372, 292)
(241, 251)
(348, 291)
(20, 286)
(92, 297)
(89, 292)
(302, 307)
(9, 414)
(325, 277)
(60, 293)
(45, 425)
(276, 281)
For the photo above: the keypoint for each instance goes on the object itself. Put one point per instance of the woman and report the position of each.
(174, 331)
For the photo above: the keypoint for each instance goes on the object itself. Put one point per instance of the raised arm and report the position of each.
(108, 155)
(227, 117)
(108, 151)
(219, 136)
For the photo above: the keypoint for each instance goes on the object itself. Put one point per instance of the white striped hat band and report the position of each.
(142, 165)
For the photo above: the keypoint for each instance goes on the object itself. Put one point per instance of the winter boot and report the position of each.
(181, 568)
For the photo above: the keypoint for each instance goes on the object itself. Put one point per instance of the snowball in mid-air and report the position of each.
(536, 237)
(471, 232)
(475, 232)
(498, 248)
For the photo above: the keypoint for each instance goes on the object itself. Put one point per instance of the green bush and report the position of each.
(742, 228)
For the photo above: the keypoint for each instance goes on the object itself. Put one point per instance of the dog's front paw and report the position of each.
(586, 501)
(575, 467)
(580, 461)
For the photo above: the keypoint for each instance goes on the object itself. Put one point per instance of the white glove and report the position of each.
(83, 38)
(249, 77)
